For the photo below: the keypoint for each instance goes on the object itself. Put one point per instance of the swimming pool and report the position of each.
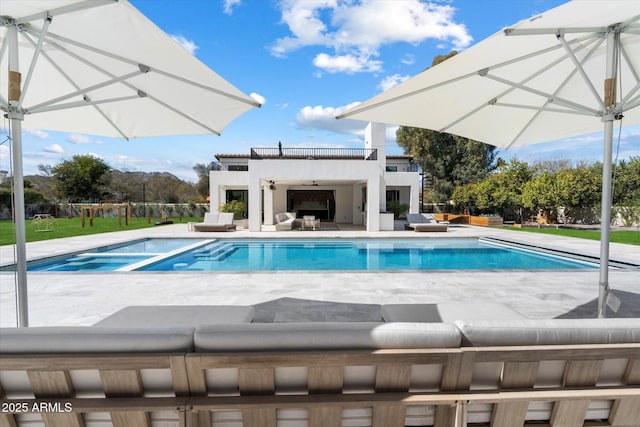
(361, 254)
(237, 255)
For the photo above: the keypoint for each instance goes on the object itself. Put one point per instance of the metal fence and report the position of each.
(314, 153)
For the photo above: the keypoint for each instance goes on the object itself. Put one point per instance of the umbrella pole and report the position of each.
(18, 177)
(21, 253)
(608, 118)
(605, 218)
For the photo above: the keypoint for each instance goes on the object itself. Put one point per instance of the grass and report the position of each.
(69, 227)
(630, 237)
(72, 227)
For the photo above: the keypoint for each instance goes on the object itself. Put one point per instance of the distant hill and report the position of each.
(132, 186)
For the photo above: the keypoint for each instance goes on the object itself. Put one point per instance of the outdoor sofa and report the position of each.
(502, 373)
(214, 221)
(425, 222)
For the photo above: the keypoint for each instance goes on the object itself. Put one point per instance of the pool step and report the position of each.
(216, 253)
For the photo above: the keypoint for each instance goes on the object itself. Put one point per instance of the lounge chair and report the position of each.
(310, 221)
(213, 221)
(285, 221)
(424, 222)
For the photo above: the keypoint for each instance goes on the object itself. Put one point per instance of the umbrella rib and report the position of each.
(578, 66)
(599, 41)
(248, 101)
(633, 72)
(87, 4)
(84, 103)
(549, 97)
(34, 58)
(72, 83)
(493, 101)
(541, 109)
(180, 113)
(130, 86)
(3, 49)
(357, 110)
(82, 91)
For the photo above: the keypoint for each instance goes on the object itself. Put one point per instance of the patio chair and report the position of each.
(285, 221)
(222, 221)
(310, 221)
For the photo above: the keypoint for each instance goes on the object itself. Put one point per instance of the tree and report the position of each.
(452, 160)
(84, 177)
(626, 188)
(202, 186)
(541, 193)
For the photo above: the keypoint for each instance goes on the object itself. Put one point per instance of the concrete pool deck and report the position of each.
(85, 298)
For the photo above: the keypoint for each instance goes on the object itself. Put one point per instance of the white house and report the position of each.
(341, 185)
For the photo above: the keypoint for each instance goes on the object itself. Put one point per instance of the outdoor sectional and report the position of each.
(446, 374)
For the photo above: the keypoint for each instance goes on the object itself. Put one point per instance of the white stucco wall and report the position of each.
(220, 181)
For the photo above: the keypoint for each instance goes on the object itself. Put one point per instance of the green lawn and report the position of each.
(72, 227)
(64, 227)
(630, 237)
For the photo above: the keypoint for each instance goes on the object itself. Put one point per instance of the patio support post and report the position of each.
(255, 201)
(605, 217)
(18, 179)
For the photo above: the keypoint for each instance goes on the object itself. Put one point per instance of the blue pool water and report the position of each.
(114, 257)
(296, 254)
(365, 254)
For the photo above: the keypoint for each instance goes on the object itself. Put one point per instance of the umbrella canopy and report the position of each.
(100, 67)
(109, 71)
(559, 74)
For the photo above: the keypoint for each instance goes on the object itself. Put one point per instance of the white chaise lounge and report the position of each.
(214, 221)
(424, 222)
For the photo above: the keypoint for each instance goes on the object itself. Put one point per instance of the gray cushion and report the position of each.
(168, 316)
(549, 331)
(324, 336)
(87, 339)
(448, 312)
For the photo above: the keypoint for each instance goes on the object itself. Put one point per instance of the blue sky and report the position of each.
(306, 61)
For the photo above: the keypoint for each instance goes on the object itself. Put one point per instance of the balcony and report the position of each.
(315, 153)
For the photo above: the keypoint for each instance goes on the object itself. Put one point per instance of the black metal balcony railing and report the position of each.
(314, 153)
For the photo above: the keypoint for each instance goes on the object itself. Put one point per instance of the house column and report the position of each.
(414, 196)
(255, 203)
(216, 195)
(373, 203)
(268, 205)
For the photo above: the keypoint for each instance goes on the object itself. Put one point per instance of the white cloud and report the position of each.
(229, 5)
(37, 133)
(188, 45)
(408, 59)
(79, 139)
(54, 148)
(356, 29)
(324, 118)
(346, 63)
(391, 81)
(258, 98)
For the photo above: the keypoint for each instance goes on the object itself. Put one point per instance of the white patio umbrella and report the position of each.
(562, 73)
(100, 67)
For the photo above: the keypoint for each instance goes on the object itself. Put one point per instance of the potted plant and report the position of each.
(237, 208)
(397, 208)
